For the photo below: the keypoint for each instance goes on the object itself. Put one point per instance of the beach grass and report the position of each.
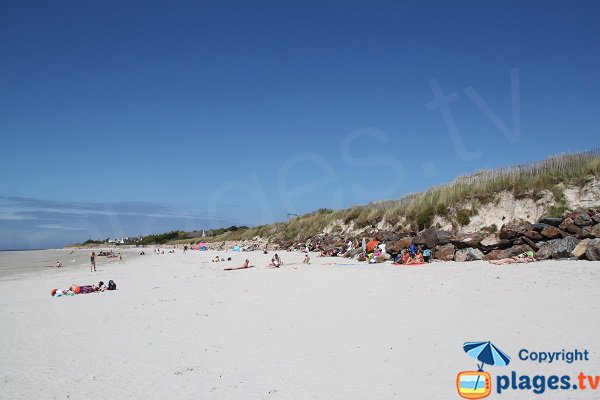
(420, 209)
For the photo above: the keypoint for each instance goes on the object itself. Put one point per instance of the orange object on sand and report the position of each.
(76, 289)
(372, 245)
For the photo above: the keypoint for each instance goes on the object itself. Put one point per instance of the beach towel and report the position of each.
(86, 289)
(408, 265)
(236, 268)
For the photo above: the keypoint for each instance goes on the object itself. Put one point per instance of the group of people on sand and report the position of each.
(84, 289)
(413, 255)
(276, 262)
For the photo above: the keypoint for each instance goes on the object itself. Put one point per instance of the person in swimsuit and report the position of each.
(93, 261)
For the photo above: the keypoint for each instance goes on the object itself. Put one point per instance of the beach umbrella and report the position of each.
(487, 353)
(371, 245)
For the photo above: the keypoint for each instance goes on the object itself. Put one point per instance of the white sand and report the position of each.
(180, 327)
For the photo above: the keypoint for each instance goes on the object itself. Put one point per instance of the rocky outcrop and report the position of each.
(575, 235)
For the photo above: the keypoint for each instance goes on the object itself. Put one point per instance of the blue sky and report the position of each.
(123, 118)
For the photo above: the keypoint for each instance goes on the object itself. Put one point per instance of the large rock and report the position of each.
(557, 248)
(530, 242)
(551, 221)
(490, 242)
(507, 253)
(431, 238)
(592, 251)
(539, 226)
(387, 236)
(505, 244)
(514, 229)
(426, 238)
(568, 225)
(468, 254)
(595, 231)
(596, 218)
(581, 218)
(468, 240)
(444, 237)
(394, 248)
(551, 232)
(445, 252)
(579, 250)
(533, 235)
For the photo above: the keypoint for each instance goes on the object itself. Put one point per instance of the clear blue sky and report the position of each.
(120, 118)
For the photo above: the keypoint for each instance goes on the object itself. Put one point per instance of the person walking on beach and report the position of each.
(93, 261)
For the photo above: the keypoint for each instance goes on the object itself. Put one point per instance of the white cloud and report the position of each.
(11, 216)
(58, 226)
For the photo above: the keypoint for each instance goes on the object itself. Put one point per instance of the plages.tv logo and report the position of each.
(478, 384)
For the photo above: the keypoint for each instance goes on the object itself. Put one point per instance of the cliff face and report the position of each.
(505, 207)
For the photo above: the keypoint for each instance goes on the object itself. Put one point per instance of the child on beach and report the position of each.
(306, 259)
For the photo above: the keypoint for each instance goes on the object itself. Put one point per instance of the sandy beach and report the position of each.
(180, 327)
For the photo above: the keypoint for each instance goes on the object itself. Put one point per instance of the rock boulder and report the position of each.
(445, 252)
(394, 248)
(557, 248)
(551, 232)
(514, 229)
(551, 221)
(579, 250)
(468, 254)
(592, 251)
(581, 218)
(507, 253)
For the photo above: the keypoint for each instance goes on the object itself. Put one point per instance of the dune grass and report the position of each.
(419, 210)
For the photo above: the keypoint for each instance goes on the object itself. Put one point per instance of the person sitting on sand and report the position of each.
(418, 258)
(427, 255)
(406, 258)
(58, 264)
(275, 262)
(522, 258)
(306, 259)
(216, 259)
